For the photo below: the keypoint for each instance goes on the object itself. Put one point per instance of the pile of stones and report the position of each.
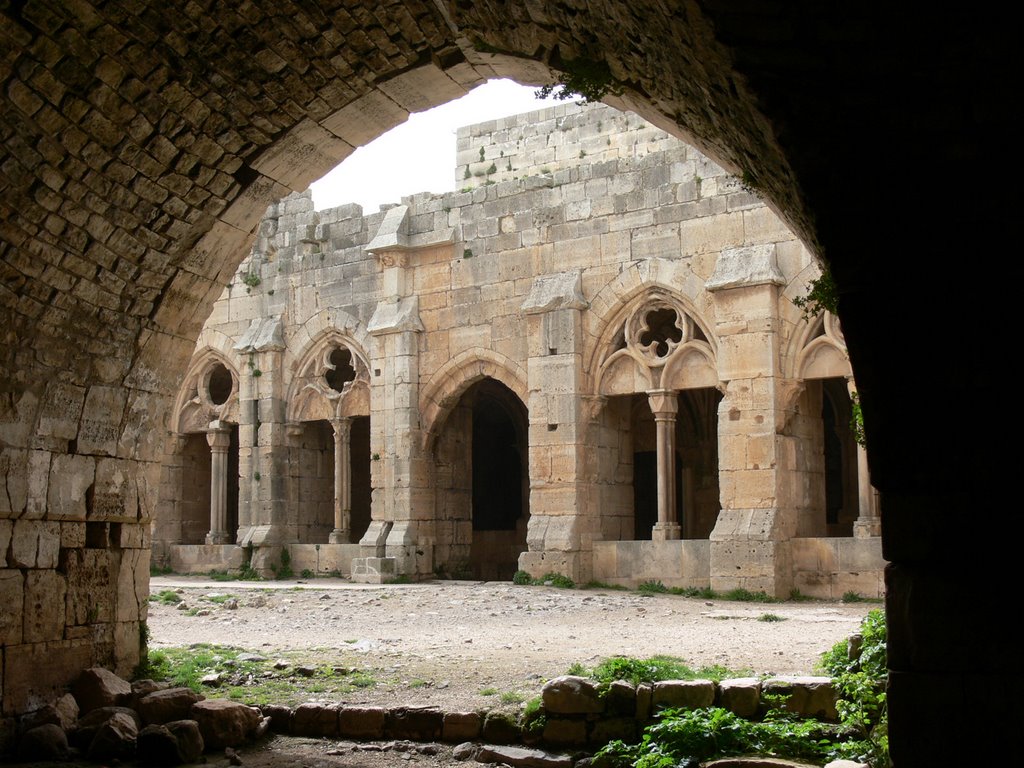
(105, 718)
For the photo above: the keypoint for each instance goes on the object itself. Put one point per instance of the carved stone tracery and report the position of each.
(659, 346)
(332, 382)
(207, 395)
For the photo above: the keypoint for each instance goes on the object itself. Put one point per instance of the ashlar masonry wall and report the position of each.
(590, 268)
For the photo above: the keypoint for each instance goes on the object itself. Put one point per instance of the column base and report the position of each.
(867, 529)
(373, 570)
(218, 537)
(338, 536)
(666, 531)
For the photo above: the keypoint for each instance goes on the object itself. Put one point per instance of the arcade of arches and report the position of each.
(142, 143)
(640, 416)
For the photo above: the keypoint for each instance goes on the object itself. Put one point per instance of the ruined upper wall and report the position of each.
(552, 139)
(638, 196)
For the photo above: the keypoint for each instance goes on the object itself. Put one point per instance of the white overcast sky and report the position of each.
(419, 154)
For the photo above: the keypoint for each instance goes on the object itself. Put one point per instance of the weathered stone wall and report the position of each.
(141, 146)
(532, 282)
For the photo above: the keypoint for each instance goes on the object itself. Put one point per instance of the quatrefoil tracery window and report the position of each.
(339, 369)
(658, 345)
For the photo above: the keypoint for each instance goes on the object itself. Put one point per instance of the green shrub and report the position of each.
(858, 670)
(859, 673)
(705, 733)
(557, 580)
(522, 578)
(167, 597)
(770, 617)
(651, 587)
(284, 570)
(746, 596)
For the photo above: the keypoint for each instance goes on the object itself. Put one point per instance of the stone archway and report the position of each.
(482, 513)
(140, 149)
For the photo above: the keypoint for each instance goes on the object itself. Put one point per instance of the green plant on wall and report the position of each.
(822, 296)
(857, 419)
(586, 80)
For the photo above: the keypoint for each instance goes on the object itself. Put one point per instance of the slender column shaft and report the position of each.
(219, 438)
(867, 523)
(342, 481)
(664, 404)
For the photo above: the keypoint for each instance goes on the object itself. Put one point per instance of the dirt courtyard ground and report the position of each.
(475, 645)
(468, 645)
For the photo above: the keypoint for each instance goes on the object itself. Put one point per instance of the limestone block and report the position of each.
(44, 606)
(644, 702)
(189, 739)
(422, 88)
(71, 476)
(761, 225)
(317, 720)
(361, 722)
(165, 706)
(571, 695)
(305, 153)
(685, 694)
(499, 729)
(812, 697)
(60, 411)
(520, 757)
(620, 700)
(132, 581)
(114, 739)
(414, 723)
(460, 726)
(34, 544)
(362, 120)
(72, 535)
(36, 674)
(97, 687)
(88, 586)
(101, 420)
(15, 475)
(12, 597)
(740, 696)
(224, 723)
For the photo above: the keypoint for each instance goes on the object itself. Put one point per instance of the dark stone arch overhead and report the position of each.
(142, 141)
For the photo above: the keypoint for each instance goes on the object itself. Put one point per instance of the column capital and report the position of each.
(663, 402)
(219, 436)
(293, 431)
(342, 427)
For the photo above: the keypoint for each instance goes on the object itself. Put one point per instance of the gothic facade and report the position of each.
(587, 361)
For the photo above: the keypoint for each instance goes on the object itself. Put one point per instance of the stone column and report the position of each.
(219, 438)
(562, 525)
(868, 523)
(342, 481)
(664, 405)
(759, 478)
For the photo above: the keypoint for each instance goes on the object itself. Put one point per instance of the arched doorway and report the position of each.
(482, 483)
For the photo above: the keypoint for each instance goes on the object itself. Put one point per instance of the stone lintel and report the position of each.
(263, 334)
(744, 267)
(393, 233)
(394, 316)
(559, 291)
